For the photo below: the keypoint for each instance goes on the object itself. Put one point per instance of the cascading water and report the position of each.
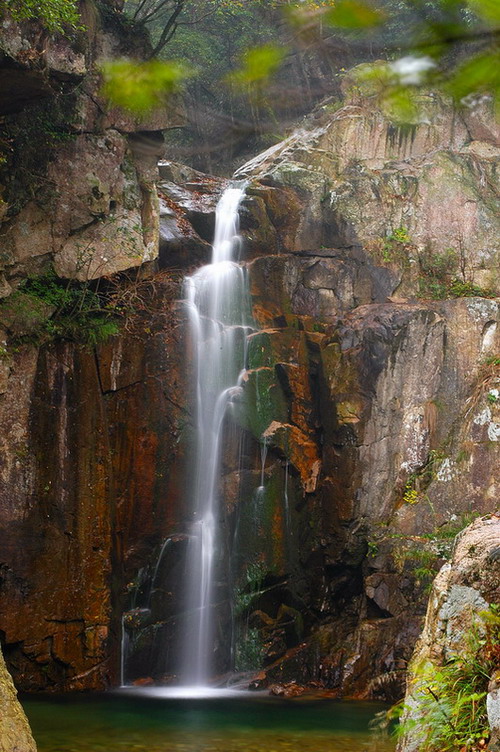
(219, 319)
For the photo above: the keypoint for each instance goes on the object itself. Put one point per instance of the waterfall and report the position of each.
(219, 320)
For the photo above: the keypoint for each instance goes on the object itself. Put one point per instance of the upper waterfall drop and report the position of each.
(219, 320)
(227, 225)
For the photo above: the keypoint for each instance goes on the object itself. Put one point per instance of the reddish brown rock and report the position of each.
(86, 481)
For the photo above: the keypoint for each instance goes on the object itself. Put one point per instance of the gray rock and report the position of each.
(461, 591)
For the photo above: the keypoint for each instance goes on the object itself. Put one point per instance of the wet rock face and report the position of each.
(400, 392)
(78, 193)
(386, 395)
(15, 733)
(57, 507)
(89, 487)
(367, 422)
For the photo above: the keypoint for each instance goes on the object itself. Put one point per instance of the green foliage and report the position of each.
(351, 14)
(254, 575)
(424, 577)
(449, 44)
(438, 278)
(460, 289)
(439, 264)
(80, 313)
(481, 75)
(410, 496)
(258, 65)
(400, 235)
(396, 246)
(373, 549)
(451, 699)
(56, 15)
(248, 652)
(140, 87)
(439, 289)
(451, 529)
(421, 556)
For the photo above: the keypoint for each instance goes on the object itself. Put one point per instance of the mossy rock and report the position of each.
(271, 346)
(23, 315)
(263, 528)
(263, 403)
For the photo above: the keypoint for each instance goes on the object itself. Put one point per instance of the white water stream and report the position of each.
(218, 309)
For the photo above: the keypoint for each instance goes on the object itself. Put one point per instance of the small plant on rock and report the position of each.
(58, 16)
(438, 277)
(79, 312)
(396, 246)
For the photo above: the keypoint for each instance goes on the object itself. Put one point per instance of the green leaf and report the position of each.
(259, 63)
(489, 10)
(140, 87)
(481, 74)
(399, 105)
(351, 14)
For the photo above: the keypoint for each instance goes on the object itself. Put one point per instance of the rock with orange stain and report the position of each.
(295, 446)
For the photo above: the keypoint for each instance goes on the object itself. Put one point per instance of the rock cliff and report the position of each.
(369, 411)
(78, 198)
(370, 417)
(77, 178)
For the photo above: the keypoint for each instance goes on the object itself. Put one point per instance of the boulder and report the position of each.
(460, 596)
(15, 733)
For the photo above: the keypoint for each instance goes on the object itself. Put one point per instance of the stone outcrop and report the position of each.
(493, 711)
(15, 734)
(463, 589)
(78, 183)
(355, 179)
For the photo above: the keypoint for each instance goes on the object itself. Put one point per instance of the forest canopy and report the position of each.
(257, 65)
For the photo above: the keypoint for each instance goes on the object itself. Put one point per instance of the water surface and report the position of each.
(143, 722)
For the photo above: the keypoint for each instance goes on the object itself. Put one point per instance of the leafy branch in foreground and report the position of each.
(451, 45)
(140, 87)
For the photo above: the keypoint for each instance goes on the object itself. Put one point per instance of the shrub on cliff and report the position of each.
(55, 15)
